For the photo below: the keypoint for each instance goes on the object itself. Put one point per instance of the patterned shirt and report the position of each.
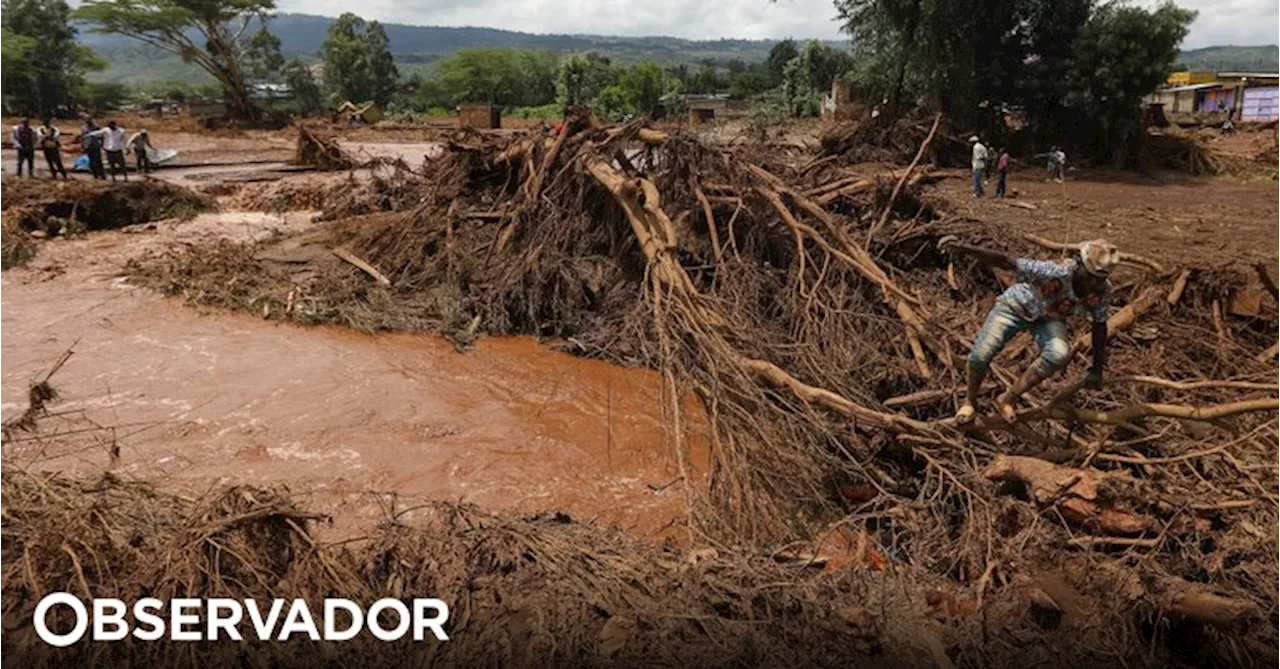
(1044, 290)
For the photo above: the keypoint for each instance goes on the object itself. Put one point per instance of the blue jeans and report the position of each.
(977, 182)
(1003, 324)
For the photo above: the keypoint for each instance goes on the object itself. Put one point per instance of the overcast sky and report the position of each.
(1242, 22)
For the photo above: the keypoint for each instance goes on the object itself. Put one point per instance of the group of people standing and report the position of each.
(982, 163)
(982, 167)
(94, 141)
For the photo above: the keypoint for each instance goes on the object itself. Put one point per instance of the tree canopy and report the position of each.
(357, 61)
(42, 64)
(227, 38)
(1082, 65)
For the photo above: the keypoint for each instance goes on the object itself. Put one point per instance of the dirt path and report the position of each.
(198, 399)
(1176, 219)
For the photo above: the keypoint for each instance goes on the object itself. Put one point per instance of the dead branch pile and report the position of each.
(531, 591)
(877, 140)
(811, 312)
(50, 207)
(1206, 152)
(320, 151)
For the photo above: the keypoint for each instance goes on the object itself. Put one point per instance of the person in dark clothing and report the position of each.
(91, 143)
(24, 140)
(49, 143)
(1002, 172)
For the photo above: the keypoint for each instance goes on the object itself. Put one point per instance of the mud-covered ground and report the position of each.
(361, 426)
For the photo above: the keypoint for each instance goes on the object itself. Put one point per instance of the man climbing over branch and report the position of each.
(1045, 295)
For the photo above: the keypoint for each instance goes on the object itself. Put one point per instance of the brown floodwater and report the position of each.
(198, 398)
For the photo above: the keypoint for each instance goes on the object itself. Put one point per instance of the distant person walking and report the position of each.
(91, 144)
(979, 163)
(24, 141)
(113, 142)
(51, 145)
(139, 144)
(1060, 158)
(1002, 172)
(1056, 158)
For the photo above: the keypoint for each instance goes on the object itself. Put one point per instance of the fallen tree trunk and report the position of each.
(1196, 602)
(1074, 491)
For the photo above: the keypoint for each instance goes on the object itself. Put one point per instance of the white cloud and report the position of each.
(1241, 22)
(754, 19)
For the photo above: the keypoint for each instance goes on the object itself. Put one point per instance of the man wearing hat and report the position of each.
(979, 164)
(1045, 295)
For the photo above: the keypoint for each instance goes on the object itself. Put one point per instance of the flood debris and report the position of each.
(51, 207)
(320, 151)
(810, 311)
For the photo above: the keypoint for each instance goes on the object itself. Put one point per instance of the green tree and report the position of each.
(306, 93)
(217, 35)
(1123, 53)
(643, 86)
(481, 75)
(13, 53)
(779, 56)
(1077, 67)
(581, 78)
(42, 64)
(104, 96)
(358, 65)
(382, 68)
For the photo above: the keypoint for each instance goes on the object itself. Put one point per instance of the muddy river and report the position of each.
(198, 398)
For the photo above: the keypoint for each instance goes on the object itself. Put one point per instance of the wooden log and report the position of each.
(893, 196)
(1074, 491)
(1179, 285)
(362, 265)
(1129, 258)
(1195, 602)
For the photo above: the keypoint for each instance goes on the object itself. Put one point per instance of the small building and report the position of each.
(1188, 78)
(1256, 94)
(1185, 99)
(206, 110)
(480, 116)
(269, 92)
(1260, 104)
(703, 108)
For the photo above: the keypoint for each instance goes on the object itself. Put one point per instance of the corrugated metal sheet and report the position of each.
(1261, 104)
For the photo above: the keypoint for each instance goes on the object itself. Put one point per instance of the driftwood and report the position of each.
(1128, 258)
(362, 265)
(1073, 491)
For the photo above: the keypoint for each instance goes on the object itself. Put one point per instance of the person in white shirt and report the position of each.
(979, 163)
(113, 142)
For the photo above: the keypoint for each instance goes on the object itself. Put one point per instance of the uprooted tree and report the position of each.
(226, 38)
(807, 307)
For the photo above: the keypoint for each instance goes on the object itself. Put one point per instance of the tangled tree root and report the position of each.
(825, 335)
(320, 151)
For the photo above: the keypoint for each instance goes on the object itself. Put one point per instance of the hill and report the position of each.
(302, 34)
(1232, 58)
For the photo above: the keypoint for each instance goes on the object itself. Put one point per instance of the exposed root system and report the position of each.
(810, 310)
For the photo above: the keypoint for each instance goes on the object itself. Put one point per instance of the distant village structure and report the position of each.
(703, 108)
(1245, 96)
